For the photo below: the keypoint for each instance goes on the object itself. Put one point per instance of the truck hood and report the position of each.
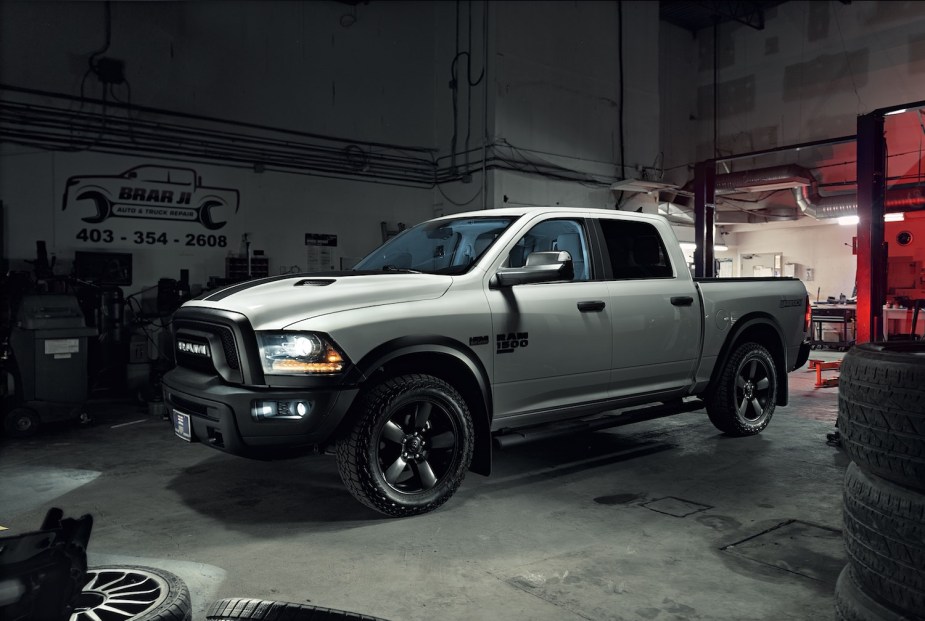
(277, 302)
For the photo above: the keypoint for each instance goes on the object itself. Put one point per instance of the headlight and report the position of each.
(297, 353)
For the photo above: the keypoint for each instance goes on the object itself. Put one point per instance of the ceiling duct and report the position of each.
(764, 179)
(805, 189)
(904, 198)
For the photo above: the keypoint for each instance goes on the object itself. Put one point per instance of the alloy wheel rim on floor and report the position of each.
(117, 595)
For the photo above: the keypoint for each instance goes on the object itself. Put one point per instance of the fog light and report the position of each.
(286, 410)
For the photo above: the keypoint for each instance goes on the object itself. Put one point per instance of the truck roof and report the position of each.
(520, 211)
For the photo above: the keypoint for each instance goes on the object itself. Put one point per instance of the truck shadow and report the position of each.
(262, 496)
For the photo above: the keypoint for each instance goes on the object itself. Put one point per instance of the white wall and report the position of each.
(807, 76)
(558, 95)
(823, 247)
(360, 73)
(371, 72)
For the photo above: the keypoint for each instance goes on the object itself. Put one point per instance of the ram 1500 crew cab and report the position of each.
(478, 328)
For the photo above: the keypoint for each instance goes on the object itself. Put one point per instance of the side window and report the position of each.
(635, 250)
(550, 235)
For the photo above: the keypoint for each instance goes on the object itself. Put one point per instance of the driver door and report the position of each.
(551, 340)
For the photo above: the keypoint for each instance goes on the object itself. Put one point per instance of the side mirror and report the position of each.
(540, 267)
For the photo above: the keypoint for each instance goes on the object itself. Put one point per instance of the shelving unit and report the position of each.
(236, 268)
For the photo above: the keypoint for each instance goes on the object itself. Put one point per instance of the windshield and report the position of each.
(437, 247)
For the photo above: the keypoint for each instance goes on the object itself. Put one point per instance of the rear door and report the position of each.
(655, 308)
(551, 340)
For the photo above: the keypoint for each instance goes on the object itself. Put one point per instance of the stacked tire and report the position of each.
(881, 420)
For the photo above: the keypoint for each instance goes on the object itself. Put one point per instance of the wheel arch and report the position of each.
(763, 329)
(449, 360)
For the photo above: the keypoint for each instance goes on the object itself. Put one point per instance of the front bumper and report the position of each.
(220, 414)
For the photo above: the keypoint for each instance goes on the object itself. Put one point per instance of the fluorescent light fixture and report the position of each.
(887, 217)
(894, 112)
(690, 246)
(640, 185)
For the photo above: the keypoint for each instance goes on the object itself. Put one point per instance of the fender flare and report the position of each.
(394, 349)
(744, 323)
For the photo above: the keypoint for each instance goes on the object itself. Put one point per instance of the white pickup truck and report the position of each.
(476, 329)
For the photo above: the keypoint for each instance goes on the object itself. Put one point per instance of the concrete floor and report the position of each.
(663, 520)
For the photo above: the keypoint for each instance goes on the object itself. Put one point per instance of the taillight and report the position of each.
(808, 318)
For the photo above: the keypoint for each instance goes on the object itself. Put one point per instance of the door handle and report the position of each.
(682, 300)
(592, 306)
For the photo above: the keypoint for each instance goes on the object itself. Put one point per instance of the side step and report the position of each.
(508, 438)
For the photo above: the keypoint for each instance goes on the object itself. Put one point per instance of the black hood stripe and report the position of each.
(221, 294)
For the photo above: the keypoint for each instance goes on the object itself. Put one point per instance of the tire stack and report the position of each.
(881, 420)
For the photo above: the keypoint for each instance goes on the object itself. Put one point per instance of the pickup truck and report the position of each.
(468, 330)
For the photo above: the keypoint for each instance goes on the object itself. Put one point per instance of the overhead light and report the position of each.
(887, 217)
(690, 246)
(640, 185)
(894, 112)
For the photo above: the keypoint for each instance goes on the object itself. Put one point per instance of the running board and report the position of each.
(508, 438)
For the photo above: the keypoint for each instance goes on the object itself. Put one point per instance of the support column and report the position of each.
(704, 217)
(872, 251)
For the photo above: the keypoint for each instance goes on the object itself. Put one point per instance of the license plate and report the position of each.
(181, 425)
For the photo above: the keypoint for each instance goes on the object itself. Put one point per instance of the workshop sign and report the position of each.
(150, 205)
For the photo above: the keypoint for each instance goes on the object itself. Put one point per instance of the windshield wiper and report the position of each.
(403, 270)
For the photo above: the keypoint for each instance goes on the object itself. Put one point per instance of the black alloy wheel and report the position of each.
(410, 447)
(743, 400)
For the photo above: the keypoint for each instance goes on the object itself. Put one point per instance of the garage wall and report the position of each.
(376, 72)
(361, 73)
(558, 96)
(823, 247)
(807, 76)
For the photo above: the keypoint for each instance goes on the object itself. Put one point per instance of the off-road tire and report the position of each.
(132, 593)
(742, 400)
(265, 610)
(885, 539)
(881, 410)
(853, 604)
(395, 465)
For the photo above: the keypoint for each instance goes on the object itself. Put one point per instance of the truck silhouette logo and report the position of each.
(152, 193)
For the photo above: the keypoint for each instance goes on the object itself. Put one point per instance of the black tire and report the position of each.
(881, 410)
(264, 610)
(742, 401)
(410, 445)
(853, 604)
(21, 422)
(885, 539)
(155, 595)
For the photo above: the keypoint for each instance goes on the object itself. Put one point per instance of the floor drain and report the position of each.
(678, 507)
(797, 547)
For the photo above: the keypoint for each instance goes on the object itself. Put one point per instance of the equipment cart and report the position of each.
(844, 316)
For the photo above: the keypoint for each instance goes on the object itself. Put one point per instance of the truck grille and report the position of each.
(231, 353)
(224, 357)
